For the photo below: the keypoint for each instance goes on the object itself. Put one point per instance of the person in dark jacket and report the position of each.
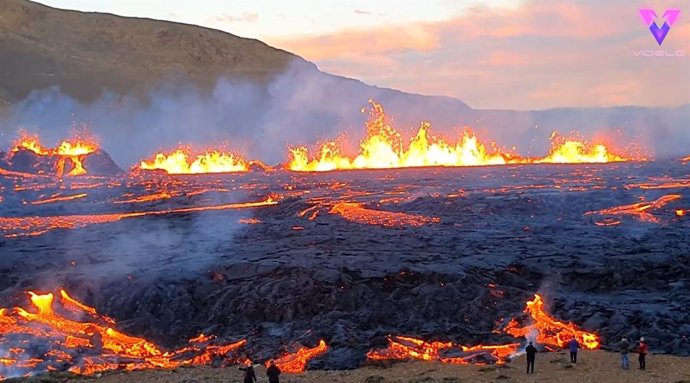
(642, 351)
(573, 345)
(249, 375)
(273, 373)
(531, 356)
(624, 347)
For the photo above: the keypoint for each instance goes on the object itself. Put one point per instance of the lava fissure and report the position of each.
(383, 148)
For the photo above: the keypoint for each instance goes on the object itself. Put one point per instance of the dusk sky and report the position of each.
(499, 54)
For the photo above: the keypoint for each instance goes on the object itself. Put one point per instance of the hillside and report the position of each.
(85, 52)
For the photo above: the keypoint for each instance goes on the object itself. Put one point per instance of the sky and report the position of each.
(491, 54)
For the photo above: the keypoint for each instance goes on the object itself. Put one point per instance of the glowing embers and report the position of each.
(181, 161)
(548, 330)
(65, 159)
(641, 210)
(32, 226)
(85, 342)
(402, 348)
(296, 362)
(356, 212)
(542, 327)
(383, 148)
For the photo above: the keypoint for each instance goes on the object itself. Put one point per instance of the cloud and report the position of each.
(533, 56)
(247, 17)
(362, 12)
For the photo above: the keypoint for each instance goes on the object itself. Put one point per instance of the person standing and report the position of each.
(273, 373)
(624, 347)
(531, 356)
(249, 375)
(573, 345)
(642, 351)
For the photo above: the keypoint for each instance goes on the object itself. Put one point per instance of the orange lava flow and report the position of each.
(160, 196)
(181, 162)
(59, 199)
(87, 347)
(547, 330)
(403, 347)
(550, 331)
(33, 226)
(638, 210)
(356, 212)
(675, 184)
(383, 148)
(296, 362)
(72, 151)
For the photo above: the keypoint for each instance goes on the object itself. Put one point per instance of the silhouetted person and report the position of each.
(573, 346)
(249, 375)
(642, 351)
(273, 373)
(624, 347)
(531, 356)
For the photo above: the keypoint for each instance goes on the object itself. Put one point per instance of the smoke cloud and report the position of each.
(304, 107)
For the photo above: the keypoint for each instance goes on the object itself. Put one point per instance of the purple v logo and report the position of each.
(670, 16)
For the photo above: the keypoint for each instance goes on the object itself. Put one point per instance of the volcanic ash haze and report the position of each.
(304, 107)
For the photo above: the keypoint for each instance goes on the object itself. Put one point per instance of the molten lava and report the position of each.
(33, 226)
(383, 148)
(547, 330)
(640, 210)
(356, 212)
(181, 162)
(87, 346)
(568, 151)
(403, 347)
(59, 198)
(296, 362)
(550, 331)
(70, 152)
(30, 142)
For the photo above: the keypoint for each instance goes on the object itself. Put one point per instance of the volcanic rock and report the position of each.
(97, 163)
(352, 283)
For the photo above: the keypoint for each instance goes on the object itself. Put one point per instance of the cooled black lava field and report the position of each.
(353, 256)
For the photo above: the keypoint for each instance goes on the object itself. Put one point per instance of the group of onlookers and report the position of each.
(573, 345)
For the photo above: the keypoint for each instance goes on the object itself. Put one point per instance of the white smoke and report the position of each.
(302, 107)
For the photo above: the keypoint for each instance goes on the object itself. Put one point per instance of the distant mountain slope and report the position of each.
(85, 52)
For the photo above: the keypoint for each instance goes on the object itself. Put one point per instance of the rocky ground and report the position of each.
(594, 366)
(298, 272)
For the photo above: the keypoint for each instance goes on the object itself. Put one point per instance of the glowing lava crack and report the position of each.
(383, 148)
